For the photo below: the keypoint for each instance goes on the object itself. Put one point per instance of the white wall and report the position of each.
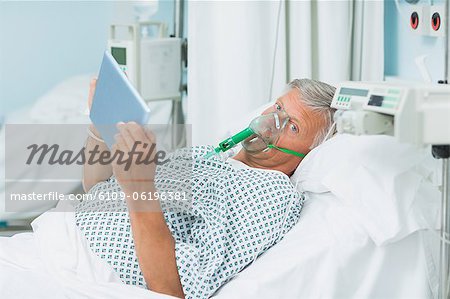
(44, 42)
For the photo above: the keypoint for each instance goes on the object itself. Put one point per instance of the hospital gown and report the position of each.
(236, 213)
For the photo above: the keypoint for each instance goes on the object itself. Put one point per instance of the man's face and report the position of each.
(298, 135)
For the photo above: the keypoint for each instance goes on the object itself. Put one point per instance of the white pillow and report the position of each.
(380, 154)
(386, 183)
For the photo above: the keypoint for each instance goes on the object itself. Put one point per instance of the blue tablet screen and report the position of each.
(115, 100)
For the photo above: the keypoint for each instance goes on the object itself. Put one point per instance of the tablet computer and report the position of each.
(115, 100)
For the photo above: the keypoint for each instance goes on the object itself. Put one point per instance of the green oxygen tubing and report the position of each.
(231, 142)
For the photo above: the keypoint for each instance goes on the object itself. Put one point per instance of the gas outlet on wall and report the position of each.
(437, 21)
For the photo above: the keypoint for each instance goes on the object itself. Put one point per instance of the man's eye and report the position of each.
(293, 128)
(277, 107)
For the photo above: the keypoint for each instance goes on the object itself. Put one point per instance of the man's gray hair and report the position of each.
(317, 96)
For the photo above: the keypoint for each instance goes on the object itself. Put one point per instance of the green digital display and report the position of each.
(120, 55)
(354, 92)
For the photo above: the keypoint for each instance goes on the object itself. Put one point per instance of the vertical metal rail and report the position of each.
(179, 18)
(177, 108)
(444, 265)
(288, 40)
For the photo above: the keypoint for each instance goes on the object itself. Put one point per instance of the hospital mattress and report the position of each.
(324, 256)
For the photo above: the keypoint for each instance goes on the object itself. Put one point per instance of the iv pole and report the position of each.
(444, 283)
(179, 133)
(444, 153)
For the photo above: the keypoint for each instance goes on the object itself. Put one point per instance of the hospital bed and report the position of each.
(366, 231)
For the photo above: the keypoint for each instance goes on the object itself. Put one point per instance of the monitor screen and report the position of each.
(353, 92)
(120, 55)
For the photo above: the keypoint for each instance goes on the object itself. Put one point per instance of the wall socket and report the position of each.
(418, 19)
(437, 21)
(427, 20)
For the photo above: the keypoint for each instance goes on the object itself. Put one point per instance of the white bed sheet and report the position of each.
(325, 256)
(55, 262)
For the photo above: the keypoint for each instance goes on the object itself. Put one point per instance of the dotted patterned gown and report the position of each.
(234, 213)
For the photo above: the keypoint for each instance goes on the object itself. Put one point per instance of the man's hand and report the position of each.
(135, 173)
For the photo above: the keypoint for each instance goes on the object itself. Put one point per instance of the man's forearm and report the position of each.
(92, 174)
(155, 249)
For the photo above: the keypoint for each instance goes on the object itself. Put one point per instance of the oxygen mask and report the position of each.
(261, 135)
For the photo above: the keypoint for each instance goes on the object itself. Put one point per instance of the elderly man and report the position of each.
(239, 207)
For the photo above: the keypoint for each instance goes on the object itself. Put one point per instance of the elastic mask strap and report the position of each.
(287, 151)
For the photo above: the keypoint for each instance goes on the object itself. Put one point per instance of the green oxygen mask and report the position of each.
(261, 135)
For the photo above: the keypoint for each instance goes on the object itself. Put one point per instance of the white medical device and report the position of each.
(153, 64)
(418, 114)
(124, 51)
(414, 113)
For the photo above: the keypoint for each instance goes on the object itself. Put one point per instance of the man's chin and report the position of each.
(266, 154)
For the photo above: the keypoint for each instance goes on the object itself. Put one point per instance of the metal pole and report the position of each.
(177, 109)
(179, 18)
(136, 32)
(444, 266)
(288, 40)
